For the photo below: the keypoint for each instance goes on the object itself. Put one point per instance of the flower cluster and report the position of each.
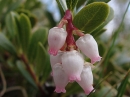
(67, 63)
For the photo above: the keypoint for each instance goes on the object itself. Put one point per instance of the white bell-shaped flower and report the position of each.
(72, 63)
(86, 79)
(56, 59)
(56, 39)
(89, 47)
(60, 78)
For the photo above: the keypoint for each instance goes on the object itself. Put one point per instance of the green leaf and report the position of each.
(14, 5)
(25, 73)
(40, 61)
(80, 3)
(109, 18)
(91, 1)
(123, 85)
(98, 33)
(51, 19)
(24, 31)
(91, 16)
(6, 44)
(11, 24)
(31, 16)
(39, 36)
(43, 67)
(60, 8)
(71, 4)
(47, 68)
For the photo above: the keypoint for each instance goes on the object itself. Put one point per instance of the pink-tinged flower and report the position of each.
(56, 39)
(72, 63)
(56, 59)
(60, 78)
(86, 79)
(89, 47)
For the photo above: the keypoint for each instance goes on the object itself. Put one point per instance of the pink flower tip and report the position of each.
(53, 52)
(74, 78)
(88, 90)
(60, 90)
(96, 59)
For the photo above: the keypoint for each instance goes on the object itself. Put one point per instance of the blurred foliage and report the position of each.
(25, 69)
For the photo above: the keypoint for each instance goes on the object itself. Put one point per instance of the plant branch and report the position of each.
(31, 72)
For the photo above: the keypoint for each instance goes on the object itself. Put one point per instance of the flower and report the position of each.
(89, 47)
(56, 39)
(86, 79)
(55, 59)
(66, 61)
(60, 78)
(72, 63)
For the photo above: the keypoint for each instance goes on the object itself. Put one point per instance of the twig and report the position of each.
(24, 59)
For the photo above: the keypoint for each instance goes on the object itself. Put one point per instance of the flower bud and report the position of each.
(56, 39)
(89, 47)
(72, 63)
(86, 79)
(60, 78)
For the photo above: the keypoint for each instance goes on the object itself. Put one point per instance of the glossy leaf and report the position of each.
(71, 4)
(60, 8)
(31, 17)
(51, 19)
(40, 61)
(91, 1)
(21, 68)
(24, 31)
(98, 33)
(91, 16)
(14, 5)
(123, 84)
(99, 29)
(47, 68)
(80, 3)
(38, 36)
(6, 44)
(43, 67)
(11, 24)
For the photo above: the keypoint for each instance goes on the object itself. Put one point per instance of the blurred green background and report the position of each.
(24, 60)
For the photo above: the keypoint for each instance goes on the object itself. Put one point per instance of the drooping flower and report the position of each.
(66, 61)
(86, 79)
(56, 59)
(56, 39)
(72, 63)
(89, 47)
(60, 78)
